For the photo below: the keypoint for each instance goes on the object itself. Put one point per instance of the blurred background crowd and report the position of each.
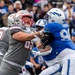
(38, 9)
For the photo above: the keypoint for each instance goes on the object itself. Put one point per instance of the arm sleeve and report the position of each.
(47, 38)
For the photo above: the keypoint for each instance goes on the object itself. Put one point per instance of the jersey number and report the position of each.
(28, 45)
(65, 34)
(40, 59)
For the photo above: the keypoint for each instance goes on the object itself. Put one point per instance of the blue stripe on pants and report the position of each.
(68, 67)
(59, 69)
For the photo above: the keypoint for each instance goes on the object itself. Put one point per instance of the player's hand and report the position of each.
(37, 65)
(43, 67)
(41, 32)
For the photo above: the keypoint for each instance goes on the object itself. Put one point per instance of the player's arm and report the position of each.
(43, 44)
(43, 51)
(22, 36)
(32, 60)
(19, 35)
(47, 39)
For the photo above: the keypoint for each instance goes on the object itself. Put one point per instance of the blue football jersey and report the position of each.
(38, 59)
(61, 40)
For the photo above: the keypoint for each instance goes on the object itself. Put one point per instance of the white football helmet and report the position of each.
(40, 24)
(23, 17)
(55, 15)
(10, 19)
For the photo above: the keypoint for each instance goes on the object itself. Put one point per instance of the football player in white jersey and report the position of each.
(20, 44)
(4, 36)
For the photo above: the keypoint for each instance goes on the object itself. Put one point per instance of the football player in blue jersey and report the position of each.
(56, 34)
(37, 60)
(52, 69)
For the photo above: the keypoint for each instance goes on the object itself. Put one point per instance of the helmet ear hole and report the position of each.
(12, 23)
(17, 20)
(52, 20)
